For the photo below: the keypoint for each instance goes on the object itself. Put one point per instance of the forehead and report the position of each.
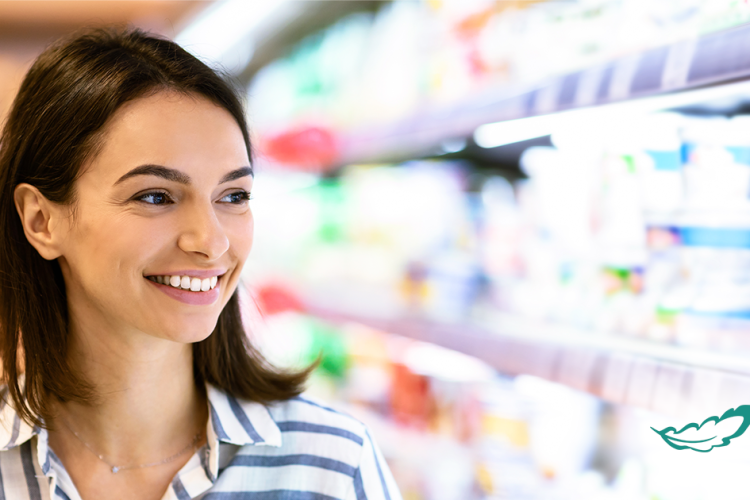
(179, 131)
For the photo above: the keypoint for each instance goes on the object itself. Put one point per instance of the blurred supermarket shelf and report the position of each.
(669, 379)
(712, 60)
(293, 21)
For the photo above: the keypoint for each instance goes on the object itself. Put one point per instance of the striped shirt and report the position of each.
(293, 450)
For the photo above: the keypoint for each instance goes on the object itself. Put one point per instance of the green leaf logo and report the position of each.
(714, 432)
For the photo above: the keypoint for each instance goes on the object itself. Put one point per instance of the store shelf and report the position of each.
(710, 60)
(666, 378)
(292, 22)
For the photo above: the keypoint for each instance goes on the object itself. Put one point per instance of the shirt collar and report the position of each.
(14, 431)
(240, 422)
(237, 422)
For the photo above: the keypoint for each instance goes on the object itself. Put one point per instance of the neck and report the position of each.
(146, 400)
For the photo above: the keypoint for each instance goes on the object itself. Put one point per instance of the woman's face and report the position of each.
(165, 199)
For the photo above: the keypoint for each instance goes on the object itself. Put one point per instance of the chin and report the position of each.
(189, 333)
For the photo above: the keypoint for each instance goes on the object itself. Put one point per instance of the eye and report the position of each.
(154, 198)
(236, 198)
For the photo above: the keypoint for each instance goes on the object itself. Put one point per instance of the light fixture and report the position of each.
(506, 132)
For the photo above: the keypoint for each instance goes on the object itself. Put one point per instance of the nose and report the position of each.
(202, 232)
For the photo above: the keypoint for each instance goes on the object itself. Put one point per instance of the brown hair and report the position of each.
(54, 127)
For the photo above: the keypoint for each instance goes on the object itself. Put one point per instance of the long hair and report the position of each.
(54, 127)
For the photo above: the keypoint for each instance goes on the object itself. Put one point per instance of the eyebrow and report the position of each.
(175, 175)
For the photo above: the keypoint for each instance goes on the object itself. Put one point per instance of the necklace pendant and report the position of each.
(115, 469)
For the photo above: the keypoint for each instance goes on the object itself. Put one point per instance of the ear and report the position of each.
(40, 220)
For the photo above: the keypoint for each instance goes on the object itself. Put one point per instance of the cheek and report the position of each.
(251, 230)
(240, 233)
(110, 243)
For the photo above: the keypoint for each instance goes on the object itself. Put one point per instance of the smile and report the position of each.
(189, 289)
(186, 282)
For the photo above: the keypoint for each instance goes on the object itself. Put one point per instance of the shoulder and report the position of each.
(300, 442)
(320, 452)
(338, 442)
(307, 415)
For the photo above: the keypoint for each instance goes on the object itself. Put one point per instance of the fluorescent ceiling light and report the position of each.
(223, 34)
(506, 132)
(498, 134)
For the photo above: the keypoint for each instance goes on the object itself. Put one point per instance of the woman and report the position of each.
(126, 176)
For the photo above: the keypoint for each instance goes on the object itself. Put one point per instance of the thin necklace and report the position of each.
(117, 468)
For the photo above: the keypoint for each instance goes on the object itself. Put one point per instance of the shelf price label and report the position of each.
(588, 85)
(677, 66)
(543, 361)
(669, 395)
(622, 77)
(576, 367)
(703, 394)
(546, 97)
(734, 391)
(616, 375)
(641, 383)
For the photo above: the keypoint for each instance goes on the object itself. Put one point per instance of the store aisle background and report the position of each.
(517, 233)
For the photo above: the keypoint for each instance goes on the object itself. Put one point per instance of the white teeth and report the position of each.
(186, 282)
